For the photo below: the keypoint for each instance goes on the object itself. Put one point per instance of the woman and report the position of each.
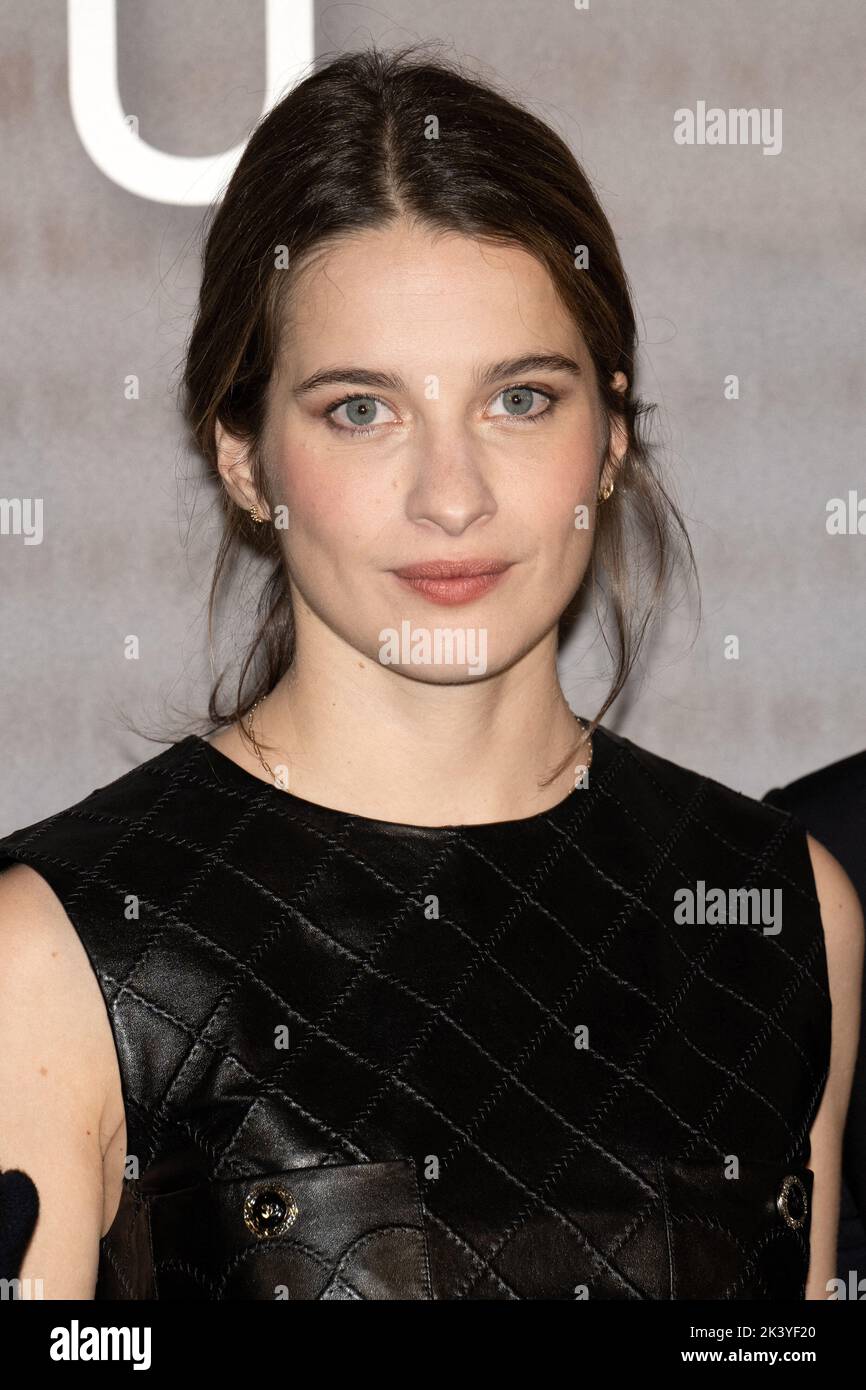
(404, 984)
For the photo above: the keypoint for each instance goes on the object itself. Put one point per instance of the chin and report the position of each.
(441, 675)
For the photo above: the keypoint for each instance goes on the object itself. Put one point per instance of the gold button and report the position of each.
(269, 1210)
(793, 1202)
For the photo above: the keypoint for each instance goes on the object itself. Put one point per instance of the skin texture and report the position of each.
(441, 477)
(842, 917)
(60, 1095)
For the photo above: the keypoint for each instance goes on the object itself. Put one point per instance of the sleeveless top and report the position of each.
(367, 1060)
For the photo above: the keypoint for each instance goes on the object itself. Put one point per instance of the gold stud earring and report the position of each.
(255, 515)
(605, 492)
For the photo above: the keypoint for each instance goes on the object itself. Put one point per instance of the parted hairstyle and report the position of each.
(345, 150)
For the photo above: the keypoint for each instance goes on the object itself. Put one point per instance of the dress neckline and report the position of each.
(225, 770)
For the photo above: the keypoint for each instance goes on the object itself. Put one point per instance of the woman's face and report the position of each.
(456, 447)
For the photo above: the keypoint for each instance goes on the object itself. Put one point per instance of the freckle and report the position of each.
(53, 954)
(43, 1071)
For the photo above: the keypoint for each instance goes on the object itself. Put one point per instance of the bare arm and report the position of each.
(842, 917)
(54, 1081)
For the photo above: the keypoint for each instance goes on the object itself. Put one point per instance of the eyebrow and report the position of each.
(483, 376)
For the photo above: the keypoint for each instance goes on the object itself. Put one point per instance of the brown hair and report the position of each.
(344, 151)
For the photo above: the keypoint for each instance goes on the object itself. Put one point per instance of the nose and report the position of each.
(449, 487)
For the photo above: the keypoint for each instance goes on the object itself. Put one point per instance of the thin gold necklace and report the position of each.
(270, 771)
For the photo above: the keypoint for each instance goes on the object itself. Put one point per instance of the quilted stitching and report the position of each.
(450, 1041)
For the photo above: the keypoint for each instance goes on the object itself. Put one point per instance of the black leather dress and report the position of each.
(363, 1060)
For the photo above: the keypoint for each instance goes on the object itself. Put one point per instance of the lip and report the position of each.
(453, 581)
(452, 569)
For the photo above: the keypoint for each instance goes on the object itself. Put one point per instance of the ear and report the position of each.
(618, 437)
(235, 470)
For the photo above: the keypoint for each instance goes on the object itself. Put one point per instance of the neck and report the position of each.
(363, 738)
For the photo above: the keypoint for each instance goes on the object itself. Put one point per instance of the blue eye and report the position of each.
(518, 402)
(362, 414)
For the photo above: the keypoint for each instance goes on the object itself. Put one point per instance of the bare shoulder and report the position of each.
(60, 1094)
(841, 915)
(47, 980)
(842, 920)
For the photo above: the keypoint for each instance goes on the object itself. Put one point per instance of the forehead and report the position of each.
(408, 290)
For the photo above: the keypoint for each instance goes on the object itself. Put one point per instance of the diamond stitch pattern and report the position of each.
(432, 1118)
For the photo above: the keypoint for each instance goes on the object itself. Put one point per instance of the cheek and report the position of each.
(563, 481)
(306, 485)
(329, 508)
